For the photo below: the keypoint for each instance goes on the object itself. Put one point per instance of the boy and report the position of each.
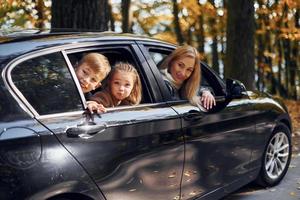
(90, 71)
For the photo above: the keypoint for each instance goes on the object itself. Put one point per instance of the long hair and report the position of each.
(136, 93)
(190, 86)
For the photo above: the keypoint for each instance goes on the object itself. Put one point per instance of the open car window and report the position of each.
(115, 54)
(209, 80)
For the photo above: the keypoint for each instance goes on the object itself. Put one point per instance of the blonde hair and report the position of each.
(97, 62)
(136, 93)
(190, 86)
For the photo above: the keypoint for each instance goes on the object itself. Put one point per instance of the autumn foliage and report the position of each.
(203, 25)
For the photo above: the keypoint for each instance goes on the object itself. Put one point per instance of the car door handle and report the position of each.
(193, 115)
(85, 130)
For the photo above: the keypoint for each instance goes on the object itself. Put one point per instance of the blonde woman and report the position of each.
(181, 72)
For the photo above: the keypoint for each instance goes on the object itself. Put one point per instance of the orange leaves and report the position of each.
(294, 111)
(265, 67)
(166, 36)
(291, 3)
(291, 33)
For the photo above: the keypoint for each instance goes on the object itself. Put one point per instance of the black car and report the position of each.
(52, 148)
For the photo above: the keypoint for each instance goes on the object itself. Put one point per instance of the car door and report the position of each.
(34, 164)
(217, 143)
(133, 152)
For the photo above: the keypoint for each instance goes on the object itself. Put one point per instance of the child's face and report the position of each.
(121, 85)
(88, 79)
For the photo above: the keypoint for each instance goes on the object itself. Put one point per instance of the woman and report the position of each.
(181, 72)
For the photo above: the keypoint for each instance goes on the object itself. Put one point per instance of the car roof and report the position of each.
(18, 43)
(50, 36)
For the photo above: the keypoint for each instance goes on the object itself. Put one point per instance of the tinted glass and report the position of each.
(9, 109)
(47, 84)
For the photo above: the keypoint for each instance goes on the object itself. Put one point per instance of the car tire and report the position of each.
(276, 157)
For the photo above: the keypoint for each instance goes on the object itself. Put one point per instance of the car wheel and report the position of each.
(276, 157)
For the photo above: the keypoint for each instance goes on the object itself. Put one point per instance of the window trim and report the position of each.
(137, 58)
(73, 75)
(66, 49)
(163, 47)
(148, 46)
(17, 94)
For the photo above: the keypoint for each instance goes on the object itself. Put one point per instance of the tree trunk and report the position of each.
(296, 54)
(111, 18)
(126, 18)
(40, 7)
(240, 42)
(260, 84)
(200, 35)
(178, 31)
(79, 15)
(214, 45)
(215, 55)
(190, 36)
(287, 56)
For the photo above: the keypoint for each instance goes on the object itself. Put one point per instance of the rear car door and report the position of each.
(218, 142)
(133, 152)
(33, 163)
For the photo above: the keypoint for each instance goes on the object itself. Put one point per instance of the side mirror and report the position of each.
(234, 89)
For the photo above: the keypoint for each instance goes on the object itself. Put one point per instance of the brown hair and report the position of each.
(136, 93)
(191, 85)
(97, 62)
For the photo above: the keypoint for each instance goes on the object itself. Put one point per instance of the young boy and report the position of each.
(90, 71)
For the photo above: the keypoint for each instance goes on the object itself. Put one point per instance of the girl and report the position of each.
(123, 87)
(181, 72)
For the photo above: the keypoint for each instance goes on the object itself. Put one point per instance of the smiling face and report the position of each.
(122, 84)
(182, 68)
(88, 78)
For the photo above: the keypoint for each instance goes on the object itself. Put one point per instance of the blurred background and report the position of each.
(255, 41)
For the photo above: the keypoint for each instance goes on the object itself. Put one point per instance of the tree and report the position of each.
(80, 15)
(178, 30)
(126, 18)
(214, 32)
(240, 42)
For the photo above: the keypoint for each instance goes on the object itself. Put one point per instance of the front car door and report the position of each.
(133, 152)
(217, 143)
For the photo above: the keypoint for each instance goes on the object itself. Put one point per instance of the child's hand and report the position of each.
(207, 99)
(94, 106)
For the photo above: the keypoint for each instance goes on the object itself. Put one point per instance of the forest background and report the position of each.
(254, 41)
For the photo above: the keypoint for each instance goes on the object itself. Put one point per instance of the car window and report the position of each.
(9, 110)
(47, 84)
(207, 79)
(115, 55)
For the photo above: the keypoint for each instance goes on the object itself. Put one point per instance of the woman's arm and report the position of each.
(207, 98)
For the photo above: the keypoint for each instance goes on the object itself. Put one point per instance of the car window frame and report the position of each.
(139, 60)
(18, 95)
(143, 45)
(219, 83)
(65, 50)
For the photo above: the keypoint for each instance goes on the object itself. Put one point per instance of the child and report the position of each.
(123, 87)
(90, 71)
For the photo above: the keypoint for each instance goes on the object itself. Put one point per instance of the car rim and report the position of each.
(277, 155)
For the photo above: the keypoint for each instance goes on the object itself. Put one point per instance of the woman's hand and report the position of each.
(207, 99)
(94, 106)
